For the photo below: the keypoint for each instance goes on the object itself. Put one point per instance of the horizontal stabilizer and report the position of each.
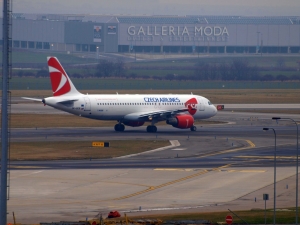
(33, 99)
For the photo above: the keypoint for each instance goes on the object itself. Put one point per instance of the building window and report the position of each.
(46, 45)
(85, 48)
(30, 44)
(16, 44)
(78, 47)
(23, 44)
(93, 48)
(39, 45)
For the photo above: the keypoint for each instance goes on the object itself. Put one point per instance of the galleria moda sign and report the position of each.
(177, 33)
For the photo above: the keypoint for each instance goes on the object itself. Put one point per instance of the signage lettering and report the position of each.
(177, 31)
(155, 99)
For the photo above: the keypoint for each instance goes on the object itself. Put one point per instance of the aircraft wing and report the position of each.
(159, 114)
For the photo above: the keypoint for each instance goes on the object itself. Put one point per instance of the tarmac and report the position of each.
(71, 195)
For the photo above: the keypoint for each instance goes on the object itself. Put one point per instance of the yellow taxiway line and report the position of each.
(152, 188)
(250, 145)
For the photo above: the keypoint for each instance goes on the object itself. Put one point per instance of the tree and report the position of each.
(240, 70)
(281, 77)
(280, 62)
(76, 75)
(170, 77)
(295, 77)
(267, 77)
(42, 73)
(224, 71)
(254, 73)
(202, 71)
(105, 68)
(119, 67)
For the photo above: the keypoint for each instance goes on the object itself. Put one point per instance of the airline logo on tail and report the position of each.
(59, 79)
(192, 105)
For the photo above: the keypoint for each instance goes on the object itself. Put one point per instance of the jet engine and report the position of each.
(181, 121)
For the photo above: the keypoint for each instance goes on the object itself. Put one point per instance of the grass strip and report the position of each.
(251, 216)
(217, 96)
(58, 150)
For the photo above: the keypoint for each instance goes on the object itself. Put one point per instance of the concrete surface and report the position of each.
(62, 195)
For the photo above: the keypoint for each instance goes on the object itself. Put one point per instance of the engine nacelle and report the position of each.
(181, 121)
(133, 123)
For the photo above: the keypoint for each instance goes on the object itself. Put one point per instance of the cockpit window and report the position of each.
(209, 103)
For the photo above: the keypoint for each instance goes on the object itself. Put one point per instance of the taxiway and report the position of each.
(219, 166)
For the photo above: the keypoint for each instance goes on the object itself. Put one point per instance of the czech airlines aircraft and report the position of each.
(180, 111)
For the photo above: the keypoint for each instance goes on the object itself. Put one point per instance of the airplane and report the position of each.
(180, 111)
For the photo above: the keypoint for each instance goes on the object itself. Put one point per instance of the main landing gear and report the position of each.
(119, 127)
(193, 128)
(151, 129)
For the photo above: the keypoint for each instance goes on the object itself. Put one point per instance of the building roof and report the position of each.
(207, 20)
(189, 19)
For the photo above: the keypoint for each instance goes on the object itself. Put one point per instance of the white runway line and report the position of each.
(174, 143)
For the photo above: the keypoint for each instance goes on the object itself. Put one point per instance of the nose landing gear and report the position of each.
(193, 128)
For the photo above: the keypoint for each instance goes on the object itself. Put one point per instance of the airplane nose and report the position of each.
(215, 110)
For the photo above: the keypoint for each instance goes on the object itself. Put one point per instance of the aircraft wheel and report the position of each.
(154, 129)
(122, 127)
(119, 127)
(193, 128)
(151, 129)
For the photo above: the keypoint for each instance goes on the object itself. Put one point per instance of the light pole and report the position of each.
(257, 47)
(97, 52)
(274, 213)
(135, 50)
(297, 161)
(261, 44)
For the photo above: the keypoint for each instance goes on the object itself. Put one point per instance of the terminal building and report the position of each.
(156, 34)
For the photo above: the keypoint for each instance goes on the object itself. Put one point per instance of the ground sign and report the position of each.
(229, 219)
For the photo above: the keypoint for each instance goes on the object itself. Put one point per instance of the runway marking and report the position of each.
(29, 174)
(98, 181)
(244, 171)
(251, 145)
(266, 157)
(178, 149)
(173, 169)
(174, 143)
(171, 182)
(27, 167)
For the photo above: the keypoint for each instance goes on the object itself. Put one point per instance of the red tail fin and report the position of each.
(60, 81)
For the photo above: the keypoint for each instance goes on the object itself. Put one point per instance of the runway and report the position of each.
(219, 166)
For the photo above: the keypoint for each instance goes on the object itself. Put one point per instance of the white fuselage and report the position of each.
(117, 107)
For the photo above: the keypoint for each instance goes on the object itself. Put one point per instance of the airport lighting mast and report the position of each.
(5, 108)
